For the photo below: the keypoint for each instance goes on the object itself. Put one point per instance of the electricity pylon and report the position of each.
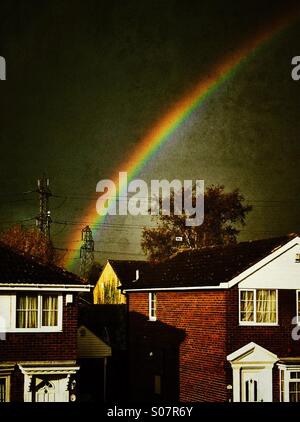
(86, 252)
(43, 220)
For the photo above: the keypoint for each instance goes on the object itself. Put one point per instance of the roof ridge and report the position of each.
(37, 264)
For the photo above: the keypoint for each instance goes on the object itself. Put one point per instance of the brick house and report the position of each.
(38, 324)
(113, 275)
(218, 324)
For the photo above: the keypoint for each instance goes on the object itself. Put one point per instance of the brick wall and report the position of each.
(208, 324)
(200, 318)
(44, 346)
(276, 339)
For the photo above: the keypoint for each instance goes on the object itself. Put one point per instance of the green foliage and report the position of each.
(223, 212)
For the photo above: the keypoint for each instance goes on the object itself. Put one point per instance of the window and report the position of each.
(289, 384)
(258, 306)
(38, 312)
(27, 312)
(294, 387)
(281, 385)
(152, 306)
(4, 389)
(49, 311)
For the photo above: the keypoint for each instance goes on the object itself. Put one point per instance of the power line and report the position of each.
(17, 200)
(16, 221)
(96, 194)
(102, 251)
(81, 223)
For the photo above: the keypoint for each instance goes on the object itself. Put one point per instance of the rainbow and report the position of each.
(161, 132)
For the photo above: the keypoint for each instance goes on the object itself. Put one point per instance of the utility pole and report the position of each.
(43, 220)
(86, 252)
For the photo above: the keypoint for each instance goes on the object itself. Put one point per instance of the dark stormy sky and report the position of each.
(86, 80)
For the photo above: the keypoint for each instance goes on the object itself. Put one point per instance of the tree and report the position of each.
(30, 241)
(223, 211)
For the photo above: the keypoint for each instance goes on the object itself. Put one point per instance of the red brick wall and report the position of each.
(44, 346)
(210, 323)
(201, 316)
(276, 339)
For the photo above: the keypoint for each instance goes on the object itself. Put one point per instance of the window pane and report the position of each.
(295, 374)
(2, 390)
(27, 312)
(282, 385)
(266, 306)
(247, 305)
(294, 391)
(152, 305)
(50, 311)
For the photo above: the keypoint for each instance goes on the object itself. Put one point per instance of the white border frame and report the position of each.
(254, 323)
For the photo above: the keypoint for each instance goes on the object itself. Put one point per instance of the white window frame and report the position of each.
(297, 306)
(287, 379)
(7, 387)
(152, 310)
(254, 309)
(40, 328)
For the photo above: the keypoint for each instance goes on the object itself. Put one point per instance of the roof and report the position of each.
(107, 322)
(18, 268)
(89, 345)
(205, 267)
(126, 270)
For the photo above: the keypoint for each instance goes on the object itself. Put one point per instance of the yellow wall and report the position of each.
(106, 289)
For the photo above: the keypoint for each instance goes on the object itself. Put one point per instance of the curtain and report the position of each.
(247, 305)
(266, 306)
(50, 311)
(2, 390)
(27, 312)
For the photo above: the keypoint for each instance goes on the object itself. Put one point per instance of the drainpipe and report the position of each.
(104, 378)
(137, 276)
